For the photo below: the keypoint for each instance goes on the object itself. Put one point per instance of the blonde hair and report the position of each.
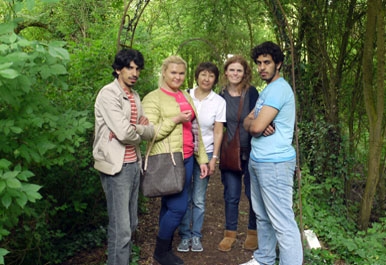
(247, 77)
(165, 64)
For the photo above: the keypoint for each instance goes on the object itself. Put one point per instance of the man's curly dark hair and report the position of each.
(270, 48)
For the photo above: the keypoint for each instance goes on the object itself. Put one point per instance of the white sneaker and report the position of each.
(251, 262)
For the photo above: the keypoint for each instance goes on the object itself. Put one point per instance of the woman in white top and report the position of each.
(211, 110)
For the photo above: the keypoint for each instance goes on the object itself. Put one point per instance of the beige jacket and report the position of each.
(112, 114)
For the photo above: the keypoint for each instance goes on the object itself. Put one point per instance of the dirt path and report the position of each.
(212, 231)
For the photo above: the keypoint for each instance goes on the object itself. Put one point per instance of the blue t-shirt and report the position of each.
(278, 146)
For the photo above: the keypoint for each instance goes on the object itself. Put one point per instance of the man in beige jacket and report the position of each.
(120, 126)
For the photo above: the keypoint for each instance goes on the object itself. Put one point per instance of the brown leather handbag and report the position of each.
(230, 150)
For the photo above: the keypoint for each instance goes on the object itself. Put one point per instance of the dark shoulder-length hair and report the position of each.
(207, 66)
(247, 78)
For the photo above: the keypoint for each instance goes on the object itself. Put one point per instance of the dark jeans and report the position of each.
(232, 192)
(173, 207)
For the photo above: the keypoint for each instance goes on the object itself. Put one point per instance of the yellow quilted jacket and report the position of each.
(157, 105)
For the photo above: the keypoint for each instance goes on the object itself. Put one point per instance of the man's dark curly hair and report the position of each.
(270, 48)
(124, 57)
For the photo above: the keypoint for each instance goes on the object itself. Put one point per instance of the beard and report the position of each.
(271, 77)
(130, 84)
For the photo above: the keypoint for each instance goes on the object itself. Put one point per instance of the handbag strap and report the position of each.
(239, 112)
(151, 146)
(170, 151)
(240, 107)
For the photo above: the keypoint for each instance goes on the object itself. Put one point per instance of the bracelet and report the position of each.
(215, 156)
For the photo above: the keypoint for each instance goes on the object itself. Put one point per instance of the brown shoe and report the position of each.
(228, 241)
(251, 240)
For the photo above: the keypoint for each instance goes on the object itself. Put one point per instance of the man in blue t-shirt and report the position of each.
(272, 162)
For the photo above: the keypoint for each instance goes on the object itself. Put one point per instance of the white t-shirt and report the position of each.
(210, 110)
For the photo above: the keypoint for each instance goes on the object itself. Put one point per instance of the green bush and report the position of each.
(41, 137)
(336, 227)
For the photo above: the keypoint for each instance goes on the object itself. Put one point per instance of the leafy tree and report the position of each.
(38, 133)
(328, 55)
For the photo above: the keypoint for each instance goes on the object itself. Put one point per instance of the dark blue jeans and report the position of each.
(173, 207)
(232, 182)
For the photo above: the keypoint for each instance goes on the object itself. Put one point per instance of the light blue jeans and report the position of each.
(193, 220)
(271, 193)
(121, 192)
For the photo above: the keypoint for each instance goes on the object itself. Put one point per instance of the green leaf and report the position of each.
(13, 183)
(31, 190)
(17, 57)
(32, 197)
(58, 69)
(22, 200)
(25, 83)
(28, 187)
(6, 28)
(5, 65)
(4, 163)
(12, 38)
(58, 52)
(25, 175)
(10, 175)
(45, 146)
(2, 185)
(9, 73)
(6, 200)
(3, 232)
(45, 71)
(30, 4)
(3, 252)
(16, 130)
(3, 47)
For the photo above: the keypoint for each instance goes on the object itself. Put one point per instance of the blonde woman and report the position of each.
(174, 109)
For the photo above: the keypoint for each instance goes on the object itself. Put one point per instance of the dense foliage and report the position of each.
(56, 55)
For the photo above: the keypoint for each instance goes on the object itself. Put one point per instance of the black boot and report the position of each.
(178, 259)
(164, 255)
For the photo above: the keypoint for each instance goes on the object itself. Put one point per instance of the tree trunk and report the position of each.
(382, 185)
(374, 92)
